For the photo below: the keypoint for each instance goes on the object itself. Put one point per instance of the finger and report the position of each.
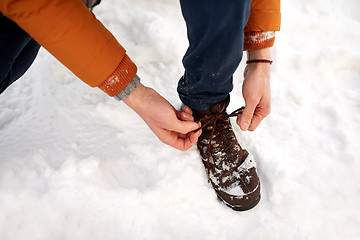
(185, 116)
(191, 139)
(182, 135)
(255, 122)
(188, 110)
(246, 116)
(185, 135)
(183, 126)
(259, 115)
(173, 139)
(182, 144)
(193, 136)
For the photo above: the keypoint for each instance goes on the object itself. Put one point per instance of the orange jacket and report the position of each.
(71, 33)
(264, 20)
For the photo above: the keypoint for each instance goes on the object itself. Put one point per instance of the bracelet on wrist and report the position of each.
(259, 61)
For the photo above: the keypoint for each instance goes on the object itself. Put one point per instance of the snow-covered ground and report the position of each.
(76, 164)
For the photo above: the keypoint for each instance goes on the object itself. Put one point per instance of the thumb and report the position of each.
(184, 127)
(246, 116)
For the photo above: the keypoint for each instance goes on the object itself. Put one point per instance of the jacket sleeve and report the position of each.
(264, 20)
(72, 34)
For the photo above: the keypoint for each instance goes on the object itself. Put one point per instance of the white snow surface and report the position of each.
(76, 164)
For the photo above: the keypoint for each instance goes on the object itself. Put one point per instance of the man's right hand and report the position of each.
(162, 118)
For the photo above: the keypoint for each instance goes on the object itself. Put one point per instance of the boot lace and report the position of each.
(214, 118)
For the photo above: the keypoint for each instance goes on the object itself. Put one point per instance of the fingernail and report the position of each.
(186, 116)
(244, 125)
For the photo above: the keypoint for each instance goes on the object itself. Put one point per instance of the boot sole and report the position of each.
(242, 208)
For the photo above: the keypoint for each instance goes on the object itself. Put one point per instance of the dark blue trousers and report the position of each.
(215, 30)
(17, 52)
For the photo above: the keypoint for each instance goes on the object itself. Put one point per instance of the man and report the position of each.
(69, 31)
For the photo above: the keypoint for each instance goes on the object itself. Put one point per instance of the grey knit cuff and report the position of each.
(128, 89)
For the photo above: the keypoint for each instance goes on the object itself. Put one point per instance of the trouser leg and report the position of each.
(215, 30)
(17, 52)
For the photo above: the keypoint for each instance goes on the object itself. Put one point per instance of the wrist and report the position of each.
(259, 54)
(259, 59)
(137, 98)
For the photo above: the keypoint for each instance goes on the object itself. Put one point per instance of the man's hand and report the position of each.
(256, 91)
(162, 118)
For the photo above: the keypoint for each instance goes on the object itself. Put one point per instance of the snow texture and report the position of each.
(76, 164)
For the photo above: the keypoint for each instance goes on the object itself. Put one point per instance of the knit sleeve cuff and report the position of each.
(120, 78)
(259, 40)
(128, 89)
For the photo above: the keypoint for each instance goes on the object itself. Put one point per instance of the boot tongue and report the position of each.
(219, 107)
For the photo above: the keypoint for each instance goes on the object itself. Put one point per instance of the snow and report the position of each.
(263, 36)
(76, 164)
(234, 189)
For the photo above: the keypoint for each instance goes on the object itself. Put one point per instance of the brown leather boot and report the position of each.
(230, 168)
